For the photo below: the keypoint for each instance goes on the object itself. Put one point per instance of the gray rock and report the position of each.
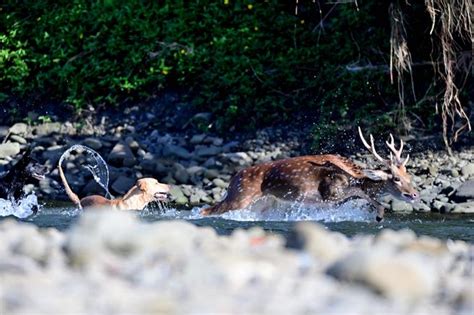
(178, 151)
(121, 155)
(177, 196)
(18, 139)
(47, 129)
(421, 207)
(148, 165)
(49, 186)
(464, 192)
(220, 183)
(211, 173)
(180, 173)
(122, 184)
(204, 151)
(454, 172)
(468, 170)
(197, 139)
(92, 188)
(9, 149)
(438, 205)
(464, 207)
(404, 277)
(52, 154)
(19, 129)
(195, 199)
(195, 170)
(93, 143)
(401, 206)
(240, 158)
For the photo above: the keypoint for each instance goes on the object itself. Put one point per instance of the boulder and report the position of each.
(19, 129)
(93, 143)
(468, 170)
(400, 276)
(177, 195)
(9, 149)
(123, 184)
(121, 155)
(401, 206)
(464, 192)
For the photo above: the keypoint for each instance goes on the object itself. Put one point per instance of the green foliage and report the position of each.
(247, 62)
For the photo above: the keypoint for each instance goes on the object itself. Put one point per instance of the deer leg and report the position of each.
(354, 192)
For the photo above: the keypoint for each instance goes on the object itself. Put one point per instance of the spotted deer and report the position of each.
(321, 178)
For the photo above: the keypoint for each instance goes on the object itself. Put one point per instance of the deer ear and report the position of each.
(377, 175)
(141, 185)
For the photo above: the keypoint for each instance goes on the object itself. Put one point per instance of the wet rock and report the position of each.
(49, 186)
(93, 143)
(121, 155)
(401, 206)
(19, 129)
(9, 149)
(122, 184)
(465, 192)
(464, 207)
(421, 207)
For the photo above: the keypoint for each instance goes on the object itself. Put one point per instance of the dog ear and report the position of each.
(141, 184)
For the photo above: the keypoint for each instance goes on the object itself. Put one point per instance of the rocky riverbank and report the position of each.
(199, 166)
(110, 262)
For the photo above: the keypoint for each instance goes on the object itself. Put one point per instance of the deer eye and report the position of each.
(396, 179)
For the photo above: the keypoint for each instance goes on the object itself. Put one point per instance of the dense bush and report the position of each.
(248, 62)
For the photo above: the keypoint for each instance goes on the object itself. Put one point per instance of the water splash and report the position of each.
(21, 208)
(98, 168)
(354, 210)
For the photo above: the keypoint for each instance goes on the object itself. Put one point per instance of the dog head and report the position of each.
(153, 189)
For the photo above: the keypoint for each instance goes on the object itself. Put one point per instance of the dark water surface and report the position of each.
(350, 220)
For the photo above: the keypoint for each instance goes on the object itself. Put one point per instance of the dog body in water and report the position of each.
(145, 190)
(26, 171)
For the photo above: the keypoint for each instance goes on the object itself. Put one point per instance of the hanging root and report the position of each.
(454, 17)
(400, 58)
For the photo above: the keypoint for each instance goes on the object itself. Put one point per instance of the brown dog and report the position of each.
(145, 190)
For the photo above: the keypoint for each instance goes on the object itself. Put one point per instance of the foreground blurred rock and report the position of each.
(110, 262)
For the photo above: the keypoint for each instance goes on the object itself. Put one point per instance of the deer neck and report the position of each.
(375, 188)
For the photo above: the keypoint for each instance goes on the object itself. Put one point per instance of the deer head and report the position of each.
(398, 181)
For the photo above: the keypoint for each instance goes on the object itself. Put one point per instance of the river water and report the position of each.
(351, 219)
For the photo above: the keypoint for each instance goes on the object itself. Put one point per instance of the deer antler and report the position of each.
(397, 153)
(371, 147)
